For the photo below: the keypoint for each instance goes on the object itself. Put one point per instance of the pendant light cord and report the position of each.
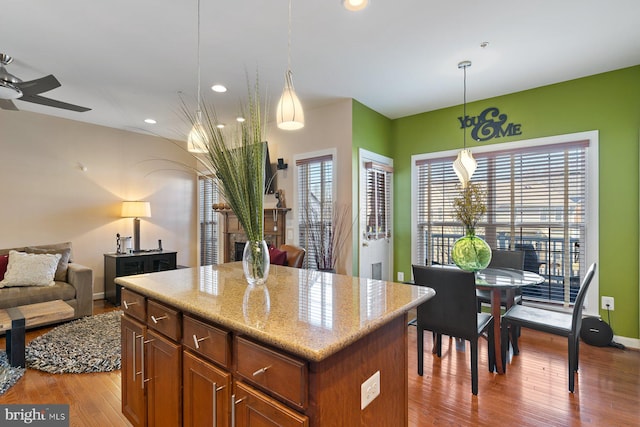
(464, 109)
(289, 42)
(198, 108)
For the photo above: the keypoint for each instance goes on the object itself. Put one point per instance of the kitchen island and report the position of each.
(308, 348)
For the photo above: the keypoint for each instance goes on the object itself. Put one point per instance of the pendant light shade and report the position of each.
(289, 112)
(197, 141)
(464, 165)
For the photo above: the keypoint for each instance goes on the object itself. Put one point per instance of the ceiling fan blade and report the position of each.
(37, 99)
(43, 84)
(7, 104)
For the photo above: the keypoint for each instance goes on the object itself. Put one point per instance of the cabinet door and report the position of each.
(163, 372)
(206, 391)
(253, 408)
(133, 399)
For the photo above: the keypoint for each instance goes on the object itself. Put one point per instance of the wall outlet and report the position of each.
(609, 301)
(369, 390)
(400, 276)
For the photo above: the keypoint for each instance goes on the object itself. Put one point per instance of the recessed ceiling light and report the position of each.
(218, 88)
(220, 125)
(150, 121)
(240, 119)
(355, 5)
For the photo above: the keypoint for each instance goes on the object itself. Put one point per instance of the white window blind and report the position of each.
(315, 202)
(536, 200)
(378, 201)
(208, 218)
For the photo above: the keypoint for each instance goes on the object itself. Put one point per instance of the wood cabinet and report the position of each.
(118, 265)
(151, 364)
(275, 232)
(206, 393)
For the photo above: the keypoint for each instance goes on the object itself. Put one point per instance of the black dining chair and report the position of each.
(502, 259)
(553, 322)
(452, 312)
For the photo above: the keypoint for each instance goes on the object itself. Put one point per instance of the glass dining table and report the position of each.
(497, 280)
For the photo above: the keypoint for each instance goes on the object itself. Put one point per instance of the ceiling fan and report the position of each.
(12, 87)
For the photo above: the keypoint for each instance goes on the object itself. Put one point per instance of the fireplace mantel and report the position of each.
(234, 233)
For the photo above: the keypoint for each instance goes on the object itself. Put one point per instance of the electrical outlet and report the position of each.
(400, 276)
(369, 390)
(607, 301)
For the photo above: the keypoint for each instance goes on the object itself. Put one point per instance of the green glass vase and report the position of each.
(471, 253)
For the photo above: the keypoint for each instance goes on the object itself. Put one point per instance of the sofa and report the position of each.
(71, 282)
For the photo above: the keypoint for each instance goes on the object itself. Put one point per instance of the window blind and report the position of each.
(208, 218)
(315, 202)
(378, 201)
(536, 199)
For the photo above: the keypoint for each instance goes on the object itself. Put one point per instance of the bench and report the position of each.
(15, 320)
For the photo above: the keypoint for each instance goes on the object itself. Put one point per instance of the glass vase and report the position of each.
(471, 253)
(255, 262)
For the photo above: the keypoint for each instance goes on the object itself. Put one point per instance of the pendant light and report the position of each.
(197, 140)
(465, 165)
(289, 112)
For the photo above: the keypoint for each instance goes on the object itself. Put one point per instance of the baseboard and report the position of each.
(98, 296)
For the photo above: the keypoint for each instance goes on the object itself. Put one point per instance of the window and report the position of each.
(536, 202)
(315, 207)
(378, 201)
(208, 218)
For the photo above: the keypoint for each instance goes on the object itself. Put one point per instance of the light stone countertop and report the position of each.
(308, 313)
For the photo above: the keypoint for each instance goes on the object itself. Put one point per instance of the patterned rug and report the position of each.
(91, 344)
(8, 374)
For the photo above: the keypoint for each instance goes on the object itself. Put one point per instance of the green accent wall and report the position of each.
(608, 102)
(371, 131)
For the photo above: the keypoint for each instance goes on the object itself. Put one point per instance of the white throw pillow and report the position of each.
(30, 269)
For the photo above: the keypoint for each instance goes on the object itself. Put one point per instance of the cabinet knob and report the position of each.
(261, 371)
(155, 319)
(127, 304)
(197, 341)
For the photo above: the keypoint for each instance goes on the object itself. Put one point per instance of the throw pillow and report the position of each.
(63, 265)
(26, 269)
(277, 257)
(4, 260)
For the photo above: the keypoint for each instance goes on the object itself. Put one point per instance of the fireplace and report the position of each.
(238, 250)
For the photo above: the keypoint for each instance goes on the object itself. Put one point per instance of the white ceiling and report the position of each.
(129, 59)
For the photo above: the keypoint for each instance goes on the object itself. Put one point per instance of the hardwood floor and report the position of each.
(532, 393)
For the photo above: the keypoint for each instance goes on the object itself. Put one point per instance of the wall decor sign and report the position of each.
(489, 124)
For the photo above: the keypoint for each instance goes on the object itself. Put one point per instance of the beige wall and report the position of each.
(325, 127)
(47, 198)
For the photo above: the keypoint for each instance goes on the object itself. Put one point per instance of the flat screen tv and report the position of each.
(269, 175)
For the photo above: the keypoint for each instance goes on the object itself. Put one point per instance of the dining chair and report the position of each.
(452, 312)
(295, 255)
(502, 259)
(553, 322)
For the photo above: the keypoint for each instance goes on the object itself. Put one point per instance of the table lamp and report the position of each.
(136, 210)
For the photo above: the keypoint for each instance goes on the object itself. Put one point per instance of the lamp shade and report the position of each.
(289, 112)
(136, 209)
(464, 166)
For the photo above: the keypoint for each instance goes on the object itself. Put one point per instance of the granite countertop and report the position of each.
(308, 313)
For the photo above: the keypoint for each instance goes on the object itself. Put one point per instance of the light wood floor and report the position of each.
(532, 393)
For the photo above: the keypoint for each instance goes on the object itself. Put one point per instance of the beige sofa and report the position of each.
(74, 286)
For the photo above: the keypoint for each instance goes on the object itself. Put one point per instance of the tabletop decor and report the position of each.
(236, 158)
(470, 252)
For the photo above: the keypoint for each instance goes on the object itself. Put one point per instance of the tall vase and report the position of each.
(255, 262)
(471, 253)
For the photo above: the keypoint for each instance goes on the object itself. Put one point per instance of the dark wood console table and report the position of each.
(118, 265)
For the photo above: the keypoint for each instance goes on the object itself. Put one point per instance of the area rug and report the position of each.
(91, 344)
(8, 374)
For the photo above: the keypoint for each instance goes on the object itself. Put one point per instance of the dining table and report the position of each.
(501, 279)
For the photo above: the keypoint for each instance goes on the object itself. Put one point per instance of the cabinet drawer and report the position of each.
(206, 340)
(275, 372)
(134, 304)
(164, 319)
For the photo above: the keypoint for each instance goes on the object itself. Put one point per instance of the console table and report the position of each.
(118, 265)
